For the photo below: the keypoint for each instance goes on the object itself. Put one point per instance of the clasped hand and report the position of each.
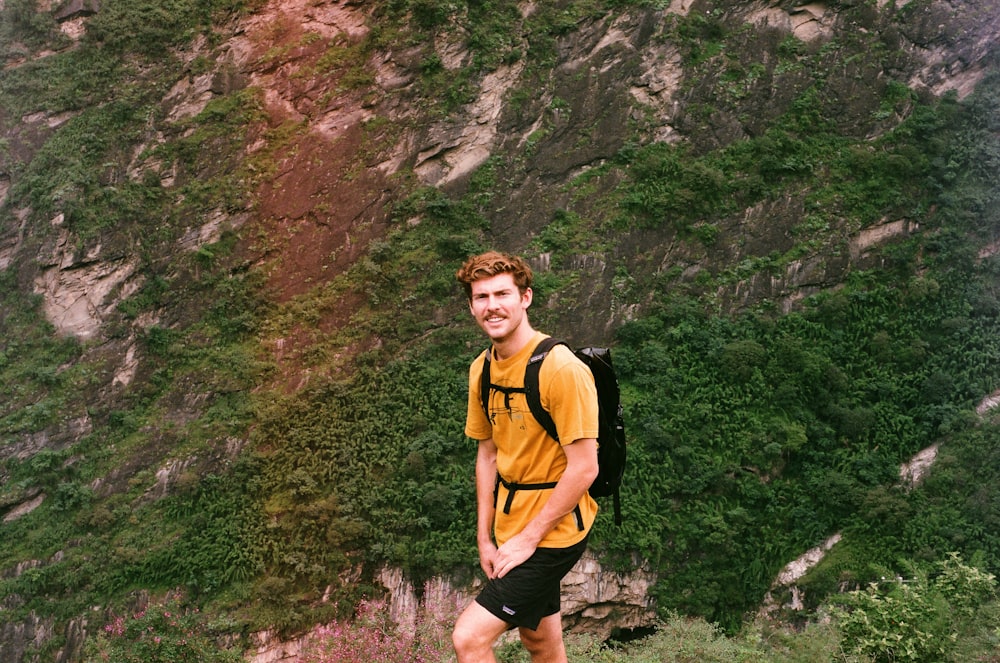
(497, 562)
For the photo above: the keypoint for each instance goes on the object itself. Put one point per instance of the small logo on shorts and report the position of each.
(509, 611)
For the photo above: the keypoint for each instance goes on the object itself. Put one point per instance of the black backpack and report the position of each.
(611, 427)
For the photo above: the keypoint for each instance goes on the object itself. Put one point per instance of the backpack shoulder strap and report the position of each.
(486, 385)
(484, 382)
(532, 389)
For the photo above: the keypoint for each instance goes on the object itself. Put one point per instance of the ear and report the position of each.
(526, 297)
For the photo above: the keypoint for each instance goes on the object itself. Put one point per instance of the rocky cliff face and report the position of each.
(363, 136)
(608, 72)
(595, 599)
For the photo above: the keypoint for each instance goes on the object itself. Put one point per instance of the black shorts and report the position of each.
(531, 591)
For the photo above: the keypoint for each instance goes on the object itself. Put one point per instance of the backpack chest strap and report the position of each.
(507, 391)
(531, 388)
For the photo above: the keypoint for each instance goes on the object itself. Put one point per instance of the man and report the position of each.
(541, 529)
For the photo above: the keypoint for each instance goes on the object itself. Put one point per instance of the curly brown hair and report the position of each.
(491, 263)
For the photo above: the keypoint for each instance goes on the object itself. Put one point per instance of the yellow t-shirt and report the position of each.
(525, 452)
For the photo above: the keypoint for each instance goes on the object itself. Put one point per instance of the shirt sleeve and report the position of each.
(477, 424)
(570, 397)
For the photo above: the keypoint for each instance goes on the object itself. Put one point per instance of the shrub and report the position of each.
(905, 624)
(20, 21)
(165, 633)
(676, 640)
(916, 620)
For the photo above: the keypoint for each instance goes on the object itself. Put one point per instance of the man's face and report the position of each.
(498, 306)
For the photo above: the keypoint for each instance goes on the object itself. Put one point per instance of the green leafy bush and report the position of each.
(151, 27)
(915, 620)
(162, 633)
(21, 24)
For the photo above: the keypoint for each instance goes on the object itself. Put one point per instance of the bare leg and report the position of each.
(545, 644)
(475, 632)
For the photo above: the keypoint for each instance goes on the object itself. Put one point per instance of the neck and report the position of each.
(504, 348)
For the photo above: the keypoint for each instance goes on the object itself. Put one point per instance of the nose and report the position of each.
(489, 302)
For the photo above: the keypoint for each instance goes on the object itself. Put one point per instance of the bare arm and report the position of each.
(581, 469)
(486, 476)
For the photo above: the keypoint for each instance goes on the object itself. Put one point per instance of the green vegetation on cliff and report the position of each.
(756, 430)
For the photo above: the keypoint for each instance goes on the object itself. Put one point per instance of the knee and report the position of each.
(532, 640)
(459, 638)
(545, 643)
(474, 634)
(465, 640)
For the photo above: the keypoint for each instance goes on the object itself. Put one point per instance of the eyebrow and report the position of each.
(500, 291)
